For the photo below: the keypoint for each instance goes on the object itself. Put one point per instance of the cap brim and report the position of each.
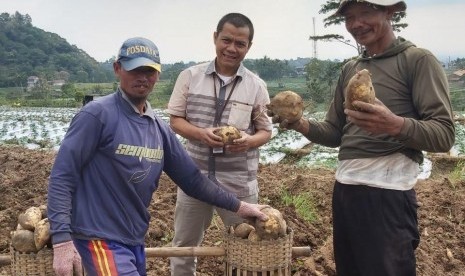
(132, 64)
(398, 6)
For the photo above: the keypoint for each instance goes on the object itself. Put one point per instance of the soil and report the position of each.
(23, 183)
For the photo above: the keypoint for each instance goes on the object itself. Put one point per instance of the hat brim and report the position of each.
(398, 6)
(131, 64)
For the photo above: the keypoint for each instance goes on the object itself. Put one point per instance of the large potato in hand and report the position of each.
(23, 241)
(274, 227)
(29, 219)
(42, 233)
(359, 88)
(286, 106)
(228, 134)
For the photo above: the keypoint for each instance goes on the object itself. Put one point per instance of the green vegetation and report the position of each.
(457, 174)
(457, 95)
(29, 51)
(296, 84)
(303, 203)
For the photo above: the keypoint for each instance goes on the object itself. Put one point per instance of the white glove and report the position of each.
(65, 257)
(250, 211)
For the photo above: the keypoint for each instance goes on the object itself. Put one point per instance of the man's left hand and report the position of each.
(240, 145)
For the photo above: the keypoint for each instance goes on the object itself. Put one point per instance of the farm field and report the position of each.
(44, 127)
(23, 183)
(24, 171)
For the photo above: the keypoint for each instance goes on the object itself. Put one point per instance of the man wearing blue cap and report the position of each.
(107, 168)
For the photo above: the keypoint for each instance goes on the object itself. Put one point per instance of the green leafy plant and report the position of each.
(458, 174)
(303, 203)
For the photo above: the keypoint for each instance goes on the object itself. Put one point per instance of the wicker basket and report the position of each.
(270, 257)
(34, 264)
(40, 263)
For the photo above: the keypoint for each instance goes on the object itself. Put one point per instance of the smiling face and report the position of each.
(137, 83)
(369, 26)
(232, 44)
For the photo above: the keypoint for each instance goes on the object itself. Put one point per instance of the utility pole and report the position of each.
(315, 55)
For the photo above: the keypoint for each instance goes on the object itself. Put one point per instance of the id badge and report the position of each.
(218, 150)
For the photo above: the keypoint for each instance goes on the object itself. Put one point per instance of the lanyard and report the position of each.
(219, 99)
(220, 106)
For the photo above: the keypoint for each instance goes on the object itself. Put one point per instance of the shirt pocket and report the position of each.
(240, 115)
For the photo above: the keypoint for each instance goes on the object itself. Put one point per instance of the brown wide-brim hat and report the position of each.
(398, 6)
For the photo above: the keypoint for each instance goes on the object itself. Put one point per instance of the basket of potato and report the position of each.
(259, 247)
(30, 249)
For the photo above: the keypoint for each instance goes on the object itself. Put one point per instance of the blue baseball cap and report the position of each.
(138, 51)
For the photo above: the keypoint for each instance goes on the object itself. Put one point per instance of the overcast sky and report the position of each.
(183, 29)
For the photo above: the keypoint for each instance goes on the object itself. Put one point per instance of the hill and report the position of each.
(29, 51)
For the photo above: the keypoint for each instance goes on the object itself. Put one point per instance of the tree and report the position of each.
(25, 49)
(42, 89)
(171, 72)
(269, 69)
(320, 78)
(69, 90)
(78, 96)
(330, 8)
(61, 75)
(459, 63)
(82, 76)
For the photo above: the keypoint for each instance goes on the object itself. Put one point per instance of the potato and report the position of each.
(243, 230)
(274, 227)
(253, 236)
(23, 241)
(286, 105)
(359, 88)
(228, 134)
(19, 227)
(42, 233)
(43, 210)
(30, 218)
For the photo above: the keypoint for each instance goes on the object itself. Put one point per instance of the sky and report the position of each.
(183, 29)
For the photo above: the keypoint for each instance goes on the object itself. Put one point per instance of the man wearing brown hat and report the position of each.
(108, 167)
(375, 223)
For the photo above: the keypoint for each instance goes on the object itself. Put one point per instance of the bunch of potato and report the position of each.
(32, 232)
(228, 134)
(275, 227)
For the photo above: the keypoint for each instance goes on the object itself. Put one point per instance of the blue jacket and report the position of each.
(107, 168)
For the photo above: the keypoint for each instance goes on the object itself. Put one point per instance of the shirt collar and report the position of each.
(148, 108)
(211, 69)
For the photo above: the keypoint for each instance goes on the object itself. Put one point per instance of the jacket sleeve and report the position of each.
(434, 131)
(75, 150)
(179, 166)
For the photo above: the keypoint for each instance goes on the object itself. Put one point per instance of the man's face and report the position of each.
(137, 83)
(366, 24)
(232, 44)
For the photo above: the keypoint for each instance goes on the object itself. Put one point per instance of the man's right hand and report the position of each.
(65, 257)
(299, 125)
(250, 211)
(208, 137)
